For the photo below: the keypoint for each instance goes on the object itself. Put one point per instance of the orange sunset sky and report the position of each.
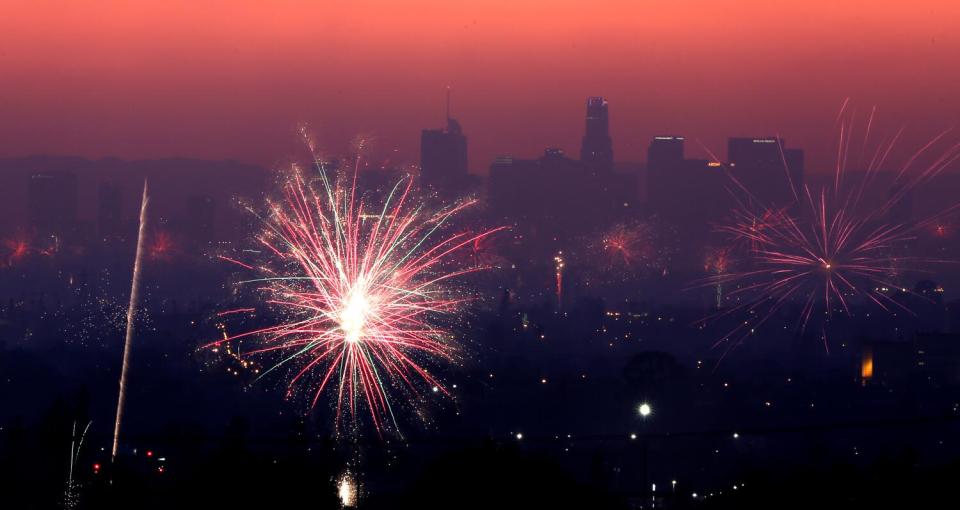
(231, 79)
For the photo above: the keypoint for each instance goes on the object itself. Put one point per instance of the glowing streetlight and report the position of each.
(645, 409)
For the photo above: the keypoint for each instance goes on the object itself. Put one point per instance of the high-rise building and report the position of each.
(596, 151)
(665, 152)
(755, 151)
(686, 193)
(443, 157)
(110, 202)
(201, 217)
(52, 203)
(555, 197)
(767, 167)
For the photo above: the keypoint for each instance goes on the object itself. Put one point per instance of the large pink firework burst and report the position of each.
(830, 249)
(364, 291)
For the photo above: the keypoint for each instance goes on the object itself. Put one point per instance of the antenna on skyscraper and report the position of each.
(448, 103)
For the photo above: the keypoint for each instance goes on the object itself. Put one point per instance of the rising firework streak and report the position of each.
(131, 312)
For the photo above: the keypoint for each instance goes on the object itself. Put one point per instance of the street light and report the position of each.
(645, 409)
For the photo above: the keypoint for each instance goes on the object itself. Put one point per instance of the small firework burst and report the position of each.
(15, 250)
(626, 245)
(719, 260)
(161, 247)
(632, 249)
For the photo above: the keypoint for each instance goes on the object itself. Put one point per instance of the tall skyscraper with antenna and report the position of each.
(443, 156)
(596, 151)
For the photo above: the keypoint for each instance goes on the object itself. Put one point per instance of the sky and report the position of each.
(233, 79)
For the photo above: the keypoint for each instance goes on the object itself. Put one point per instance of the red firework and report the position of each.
(162, 247)
(364, 292)
(941, 230)
(484, 252)
(624, 244)
(633, 247)
(16, 250)
(718, 260)
(829, 248)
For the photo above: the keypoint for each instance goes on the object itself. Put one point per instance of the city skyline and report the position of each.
(236, 87)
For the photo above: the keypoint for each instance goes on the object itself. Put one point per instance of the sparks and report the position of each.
(718, 263)
(635, 246)
(363, 291)
(558, 265)
(829, 249)
(347, 491)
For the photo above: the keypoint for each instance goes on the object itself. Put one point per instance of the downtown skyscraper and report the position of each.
(596, 150)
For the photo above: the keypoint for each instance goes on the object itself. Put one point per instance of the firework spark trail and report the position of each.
(558, 268)
(131, 312)
(70, 498)
(828, 250)
(718, 263)
(359, 293)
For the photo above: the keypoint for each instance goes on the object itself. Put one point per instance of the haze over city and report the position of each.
(232, 80)
(495, 254)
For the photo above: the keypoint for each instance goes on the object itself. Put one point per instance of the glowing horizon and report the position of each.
(206, 79)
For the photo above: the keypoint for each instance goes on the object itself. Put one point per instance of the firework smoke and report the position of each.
(131, 313)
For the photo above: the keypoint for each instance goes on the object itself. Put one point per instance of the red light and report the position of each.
(149, 453)
(96, 467)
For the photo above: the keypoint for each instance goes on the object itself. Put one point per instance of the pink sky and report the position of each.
(231, 79)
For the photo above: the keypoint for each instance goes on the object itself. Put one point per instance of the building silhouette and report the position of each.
(109, 211)
(767, 168)
(665, 152)
(689, 194)
(555, 197)
(201, 218)
(596, 151)
(443, 159)
(52, 203)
